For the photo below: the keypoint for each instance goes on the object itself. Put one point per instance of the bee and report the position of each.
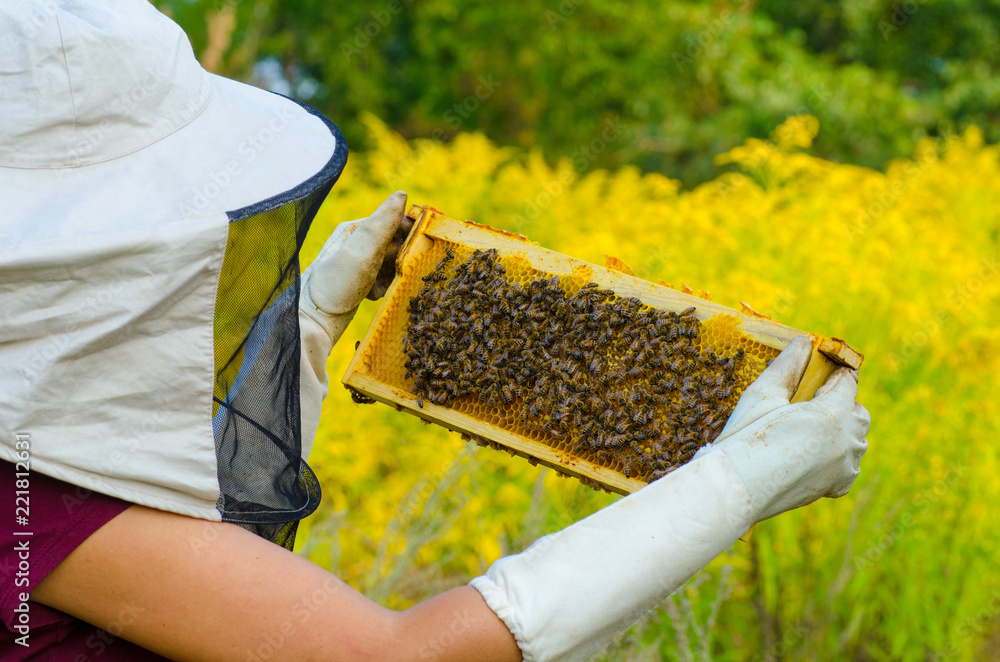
(678, 366)
(682, 439)
(616, 441)
(627, 471)
(596, 317)
(644, 414)
(701, 410)
(360, 397)
(725, 391)
(616, 374)
(643, 435)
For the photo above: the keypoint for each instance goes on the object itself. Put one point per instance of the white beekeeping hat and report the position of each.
(152, 216)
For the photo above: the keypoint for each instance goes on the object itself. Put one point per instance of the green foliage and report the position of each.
(689, 79)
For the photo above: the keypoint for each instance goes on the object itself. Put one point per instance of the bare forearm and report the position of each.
(195, 590)
(453, 627)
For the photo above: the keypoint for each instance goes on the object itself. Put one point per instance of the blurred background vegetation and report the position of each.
(833, 164)
(692, 79)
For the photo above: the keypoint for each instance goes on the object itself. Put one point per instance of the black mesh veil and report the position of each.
(266, 486)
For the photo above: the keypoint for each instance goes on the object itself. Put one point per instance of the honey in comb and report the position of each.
(610, 379)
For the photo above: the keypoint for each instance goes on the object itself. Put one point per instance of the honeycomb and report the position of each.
(557, 359)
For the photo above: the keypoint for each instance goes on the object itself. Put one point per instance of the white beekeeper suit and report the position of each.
(152, 215)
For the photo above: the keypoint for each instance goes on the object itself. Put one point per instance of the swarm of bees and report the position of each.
(611, 379)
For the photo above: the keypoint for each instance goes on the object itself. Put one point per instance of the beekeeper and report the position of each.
(163, 367)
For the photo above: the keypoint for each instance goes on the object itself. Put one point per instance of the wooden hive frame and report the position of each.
(431, 226)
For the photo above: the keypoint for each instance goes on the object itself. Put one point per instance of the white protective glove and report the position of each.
(789, 455)
(344, 272)
(569, 594)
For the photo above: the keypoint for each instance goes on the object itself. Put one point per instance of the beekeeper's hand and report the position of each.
(358, 260)
(570, 593)
(789, 455)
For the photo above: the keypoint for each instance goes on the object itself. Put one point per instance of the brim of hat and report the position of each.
(245, 147)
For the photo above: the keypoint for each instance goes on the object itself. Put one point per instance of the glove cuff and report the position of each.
(332, 324)
(497, 601)
(313, 384)
(569, 594)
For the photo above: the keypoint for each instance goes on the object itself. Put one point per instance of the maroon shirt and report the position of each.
(60, 517)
